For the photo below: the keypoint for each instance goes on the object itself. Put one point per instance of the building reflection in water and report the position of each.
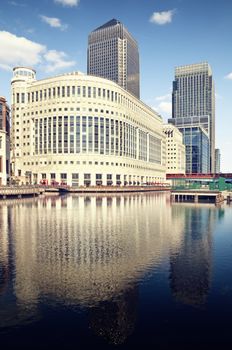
(83, 250)
(11, 313)
(94, 250)
(191, 265)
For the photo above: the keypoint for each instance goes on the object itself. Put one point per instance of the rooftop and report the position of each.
(111, 23)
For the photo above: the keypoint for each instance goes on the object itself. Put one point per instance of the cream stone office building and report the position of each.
(175, 150)
(79, 130)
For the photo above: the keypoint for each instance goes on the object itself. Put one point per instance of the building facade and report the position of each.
(217, 161)
(4, 141)
(193, 98)
(113, 54)
(175, 150)
(196, 142)
(79, 130)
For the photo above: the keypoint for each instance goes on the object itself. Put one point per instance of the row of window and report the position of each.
(69, 91)
(93, 179)
(78, 162)
(75, 176)
(76, 134)
(75, 92)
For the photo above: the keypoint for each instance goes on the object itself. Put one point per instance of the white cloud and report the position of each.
(229, 76)
(14, 3)
(17, 51)
(57, 60)
(69, 3)
(164, 97)
(30, 30)
(165, 107)
(54, 22)
(163, 17)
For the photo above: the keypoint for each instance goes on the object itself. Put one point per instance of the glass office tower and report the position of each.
(113, 54)
(197, 150)
(193, 99)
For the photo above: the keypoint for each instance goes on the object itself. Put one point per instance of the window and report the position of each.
(118, 177)
(87, 179)
(84, 145)
(98, 179)
(75, 179)
(90, 134)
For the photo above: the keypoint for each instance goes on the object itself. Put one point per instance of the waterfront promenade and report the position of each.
(32, 191)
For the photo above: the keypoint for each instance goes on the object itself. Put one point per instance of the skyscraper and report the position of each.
(193, 104)
(217, 161)
(113, 54)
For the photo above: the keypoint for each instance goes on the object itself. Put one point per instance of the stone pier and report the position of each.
(196, 196)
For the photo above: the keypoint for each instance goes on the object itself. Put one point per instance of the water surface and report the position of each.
(115, 271)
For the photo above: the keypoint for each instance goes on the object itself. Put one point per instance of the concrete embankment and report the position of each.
(113, 189)
(20, 192)
(33, 191)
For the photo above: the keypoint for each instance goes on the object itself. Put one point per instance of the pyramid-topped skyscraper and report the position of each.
(113, 54)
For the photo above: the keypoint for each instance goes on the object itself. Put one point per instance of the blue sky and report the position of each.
(51, 36)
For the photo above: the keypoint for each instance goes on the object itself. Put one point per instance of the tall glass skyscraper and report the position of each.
(193, 103)
(113, 54)
(217, 161)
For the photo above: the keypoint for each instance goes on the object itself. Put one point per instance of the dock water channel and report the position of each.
(114, 271)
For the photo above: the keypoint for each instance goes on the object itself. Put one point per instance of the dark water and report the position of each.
(115, 272)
